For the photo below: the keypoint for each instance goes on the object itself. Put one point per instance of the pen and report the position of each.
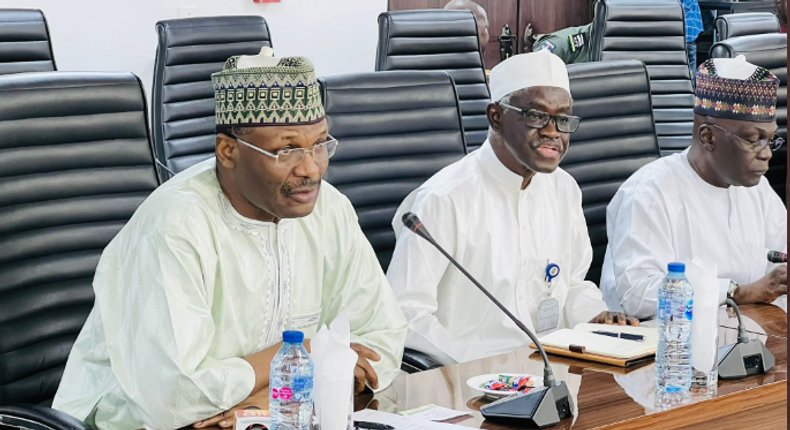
(627, 336)
(372, 426)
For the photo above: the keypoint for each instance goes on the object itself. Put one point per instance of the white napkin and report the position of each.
(265, 58)
(701, 274)
(333, 381)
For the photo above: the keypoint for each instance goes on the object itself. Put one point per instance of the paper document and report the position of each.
(434, 413)
(401, 422)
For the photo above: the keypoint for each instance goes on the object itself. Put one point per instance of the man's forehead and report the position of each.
(290, 132)
(735, 125)
(553, 97)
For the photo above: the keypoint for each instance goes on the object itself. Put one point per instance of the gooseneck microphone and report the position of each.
(746, 357)
(777, 257)
(541, 408)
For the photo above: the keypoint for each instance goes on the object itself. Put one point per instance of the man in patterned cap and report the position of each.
(710, 201)
(193, 295)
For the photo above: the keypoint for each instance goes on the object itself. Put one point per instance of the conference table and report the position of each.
(608, 397)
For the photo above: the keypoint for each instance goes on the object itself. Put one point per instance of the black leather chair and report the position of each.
(75, 163)
(769, 51)
(746, 24)
(189, 51)
(24, 42)
(616, 138)
(652, 31)
(396, 129)
(445, 40)
(37, 417)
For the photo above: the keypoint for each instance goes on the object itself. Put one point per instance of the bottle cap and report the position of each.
(677, 267)
(293, 336)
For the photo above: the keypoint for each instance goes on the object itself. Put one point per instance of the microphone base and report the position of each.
(541, 407)
(744, 359)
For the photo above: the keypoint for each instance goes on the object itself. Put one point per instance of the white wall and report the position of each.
(339, 36)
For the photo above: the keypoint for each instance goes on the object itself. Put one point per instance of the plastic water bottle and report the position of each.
(673, 358)
(291, 385)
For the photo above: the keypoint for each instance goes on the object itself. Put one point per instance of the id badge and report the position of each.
(548, 315)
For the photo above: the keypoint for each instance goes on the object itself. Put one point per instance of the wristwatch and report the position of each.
(732, 289)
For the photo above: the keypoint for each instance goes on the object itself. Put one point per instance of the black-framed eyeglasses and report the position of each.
(539, 119)
(773, 143)
(292, 157)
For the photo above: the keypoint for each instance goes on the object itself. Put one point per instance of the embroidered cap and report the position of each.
(731, 88)
(260, 91)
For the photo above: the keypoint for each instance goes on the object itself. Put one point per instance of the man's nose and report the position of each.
(308, 168)
(765, 153)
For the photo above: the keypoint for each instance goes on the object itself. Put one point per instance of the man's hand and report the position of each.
(224, 420)
(227, 419)
(364, 371)
(765, 290)
(615, 318)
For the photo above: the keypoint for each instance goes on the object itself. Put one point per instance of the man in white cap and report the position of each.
(509, 215)
(710, 202)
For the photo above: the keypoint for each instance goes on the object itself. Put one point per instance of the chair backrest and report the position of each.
(24, 42)
(654, 32)
(445, 40)
(746, 24)
(396, 129)
(616, 138)
(75, 163)
(189, 51)
(769, 51)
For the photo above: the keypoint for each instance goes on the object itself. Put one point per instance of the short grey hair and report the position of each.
(505, 100)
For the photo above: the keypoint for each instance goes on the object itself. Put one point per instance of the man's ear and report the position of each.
(706, 138)
(227, 151)
(494, 114)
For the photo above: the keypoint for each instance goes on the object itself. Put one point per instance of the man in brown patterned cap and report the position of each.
(711, 201)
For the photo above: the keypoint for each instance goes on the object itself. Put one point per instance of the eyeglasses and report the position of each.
(539, 119)
(773, 143)
(292, 157)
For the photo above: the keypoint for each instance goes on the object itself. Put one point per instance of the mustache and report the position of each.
(535, 144)
(306, 184)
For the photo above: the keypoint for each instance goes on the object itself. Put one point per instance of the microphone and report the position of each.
(777, 257)
(542, 407)
(745, 357)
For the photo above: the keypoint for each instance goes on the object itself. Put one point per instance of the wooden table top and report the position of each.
(610, 397)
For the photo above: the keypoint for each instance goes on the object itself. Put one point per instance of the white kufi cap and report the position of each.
(536, 69)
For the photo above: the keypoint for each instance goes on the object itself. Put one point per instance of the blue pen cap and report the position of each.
(676, 268)
(293, 336)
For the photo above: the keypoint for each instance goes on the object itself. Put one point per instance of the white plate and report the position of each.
(475, 382)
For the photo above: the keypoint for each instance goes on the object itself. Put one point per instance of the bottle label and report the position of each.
(286, 394)
(689, 310)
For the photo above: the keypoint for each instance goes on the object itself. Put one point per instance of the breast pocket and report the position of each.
(306, 322)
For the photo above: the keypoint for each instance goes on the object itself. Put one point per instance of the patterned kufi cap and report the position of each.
(722, 93)
(285, 93)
